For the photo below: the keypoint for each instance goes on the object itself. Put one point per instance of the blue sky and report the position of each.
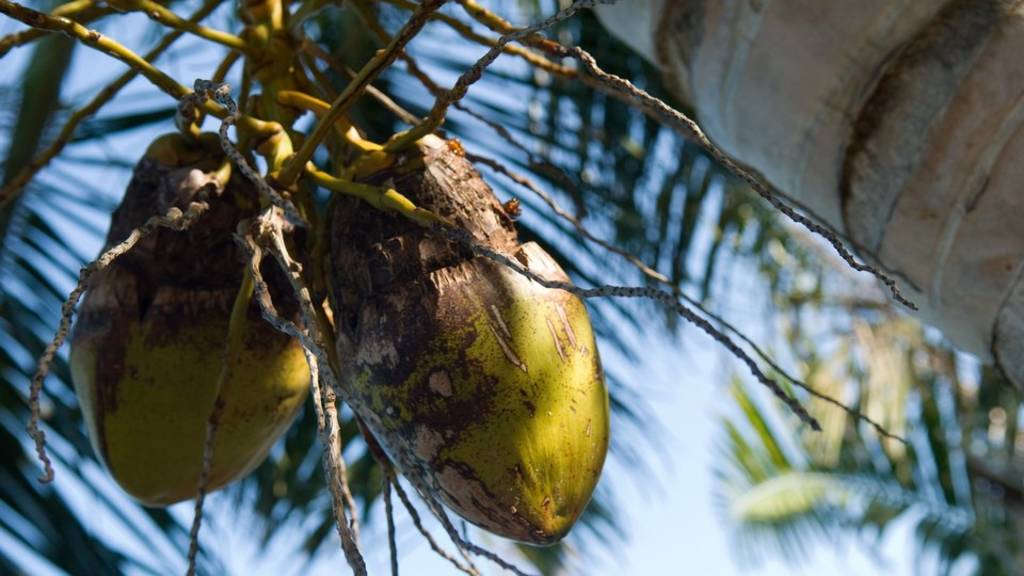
(672, 524)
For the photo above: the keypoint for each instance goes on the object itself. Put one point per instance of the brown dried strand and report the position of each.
(435, 90)
(418, 523)
(462, 543)
(273, 238)
(462, 236)
(279, 250)
(496, 23)
(346, 491)
(504, 133)
(389, 511)
(386, 101)
(529, 184)
(369, 17)
(232, 338)
(879, 428)
(461, 28)
(662, 279)
(204, 478)
(252, 241)
(341, 469)
(371, 20)
(384, 461)
(174, 219)
(500, 130)
(437, 114)
(220, 93)
(656, 108)
(424, 491)
(340, 487)
(649, 293)
(261, 292)
(337, 473)
(329, 462)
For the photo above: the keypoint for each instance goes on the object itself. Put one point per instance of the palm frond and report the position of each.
(633, 182)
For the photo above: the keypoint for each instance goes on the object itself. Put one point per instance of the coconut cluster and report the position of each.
(479, 383)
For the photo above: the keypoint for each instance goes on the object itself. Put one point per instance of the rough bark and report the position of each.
(898, 122)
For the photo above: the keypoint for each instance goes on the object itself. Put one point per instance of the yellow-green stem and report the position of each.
(276, 149)
(420, 127)
(115, 49)
(168, 18)
(314, 52)
(225, 66)
(270, 13)
(95, 40)
(356, 87)
(379, 197)
(319, 107)
(83, 10)
(502, 26)
(468, 33)
(16, 184)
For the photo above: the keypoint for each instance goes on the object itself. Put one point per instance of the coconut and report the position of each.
(478, 382)
(147, 346)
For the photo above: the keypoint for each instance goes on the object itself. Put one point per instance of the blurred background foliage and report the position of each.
(630, 181)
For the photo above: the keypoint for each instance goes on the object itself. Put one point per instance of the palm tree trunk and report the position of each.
(898, 122)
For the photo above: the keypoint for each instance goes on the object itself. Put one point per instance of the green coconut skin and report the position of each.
(482, 384)
(506, 403)
(147, 386)
(148, 343)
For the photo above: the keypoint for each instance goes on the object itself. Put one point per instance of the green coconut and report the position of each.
(147, 345)
(477, 381)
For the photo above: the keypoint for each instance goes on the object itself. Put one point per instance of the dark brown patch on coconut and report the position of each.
(171, 280)
(201, 260)
(387, 272)
(408, 305)
(394, 286)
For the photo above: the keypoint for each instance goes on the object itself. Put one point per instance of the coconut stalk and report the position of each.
(896, 122)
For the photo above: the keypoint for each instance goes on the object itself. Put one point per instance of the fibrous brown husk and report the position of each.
(479, 382)
(149, 340)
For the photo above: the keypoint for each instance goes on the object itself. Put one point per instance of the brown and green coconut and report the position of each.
(147, 347)
(477, 381)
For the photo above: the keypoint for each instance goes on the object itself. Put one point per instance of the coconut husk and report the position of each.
(148, 342)
(480, 383)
